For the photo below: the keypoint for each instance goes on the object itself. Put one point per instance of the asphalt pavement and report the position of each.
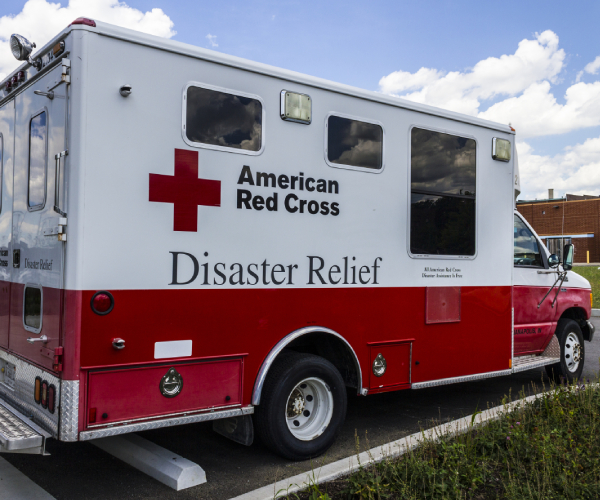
(82, 471)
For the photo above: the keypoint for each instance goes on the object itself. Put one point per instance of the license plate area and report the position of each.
(7, 374)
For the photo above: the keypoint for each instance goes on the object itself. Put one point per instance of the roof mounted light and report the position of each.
(500, 149)
(21, 48)
(85, 21)
(295, 107)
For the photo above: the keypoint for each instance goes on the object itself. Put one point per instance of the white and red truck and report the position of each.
(189, 236)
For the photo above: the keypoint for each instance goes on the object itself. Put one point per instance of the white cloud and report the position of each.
(593, 67)
(521, 86)
(576, 170)
(536, 112)
(212, 39)
(40, 20)
(524, 79)
(533, 61)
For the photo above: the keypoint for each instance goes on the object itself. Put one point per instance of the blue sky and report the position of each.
(359, 43)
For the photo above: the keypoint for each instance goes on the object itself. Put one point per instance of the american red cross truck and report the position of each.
(189, 236)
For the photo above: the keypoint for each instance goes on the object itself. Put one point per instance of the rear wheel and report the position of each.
(302, 408)
(572, 352)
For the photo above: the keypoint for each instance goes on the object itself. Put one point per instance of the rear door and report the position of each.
(37, 253)
(7, 138)
(534, 323)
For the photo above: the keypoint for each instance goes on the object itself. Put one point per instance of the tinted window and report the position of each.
(442, 194)
(33, 308)
(527, 249)
(354, 143)
(222, 119)
(37, 160)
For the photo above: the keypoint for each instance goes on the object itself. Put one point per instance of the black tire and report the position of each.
(566, 330)
(272, 415)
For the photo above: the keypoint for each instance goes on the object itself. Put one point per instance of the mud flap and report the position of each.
(238, 429)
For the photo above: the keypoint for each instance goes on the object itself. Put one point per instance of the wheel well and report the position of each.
(333, 349)
(578, 314)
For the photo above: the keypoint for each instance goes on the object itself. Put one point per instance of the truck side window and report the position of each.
(37, 161)
(223, 119)
(442, 188)
(32, 308)
(527, 250)
(354, 143)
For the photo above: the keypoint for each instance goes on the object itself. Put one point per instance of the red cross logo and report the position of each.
(185, 191)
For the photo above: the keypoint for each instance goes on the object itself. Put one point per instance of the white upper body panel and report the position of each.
(118, 239)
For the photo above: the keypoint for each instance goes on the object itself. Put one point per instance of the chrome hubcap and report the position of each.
(309, 409)
(572, 352)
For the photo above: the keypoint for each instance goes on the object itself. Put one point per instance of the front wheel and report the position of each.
(302, 408)
(572, 352)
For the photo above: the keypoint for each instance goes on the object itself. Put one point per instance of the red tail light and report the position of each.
(51, 398)
(84, 20)
(102, 303)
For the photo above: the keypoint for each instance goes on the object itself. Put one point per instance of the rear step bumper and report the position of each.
(18, 434)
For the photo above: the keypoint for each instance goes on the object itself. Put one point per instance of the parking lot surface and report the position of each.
(82, 471)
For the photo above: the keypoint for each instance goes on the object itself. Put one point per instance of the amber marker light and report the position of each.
(37, 393)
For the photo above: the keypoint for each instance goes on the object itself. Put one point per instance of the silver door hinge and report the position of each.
(59, 230)
(66, 67)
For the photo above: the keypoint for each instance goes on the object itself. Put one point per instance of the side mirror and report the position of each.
(21, 47)
(553, 260)
(568, 257)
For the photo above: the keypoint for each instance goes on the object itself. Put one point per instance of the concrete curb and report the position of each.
(14, 484)
(348, 465)
(595, 313)
(161, 464)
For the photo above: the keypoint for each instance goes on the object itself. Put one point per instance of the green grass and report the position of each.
(546, 449)
(592, 274)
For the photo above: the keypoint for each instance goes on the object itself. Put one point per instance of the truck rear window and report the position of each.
(442, 215)
(37, 161)
(222, 119)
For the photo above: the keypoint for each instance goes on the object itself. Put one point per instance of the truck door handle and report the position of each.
(49, 95)
(118, 344)
(43, 338)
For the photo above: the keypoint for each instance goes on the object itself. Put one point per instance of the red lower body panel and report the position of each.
(226, 326)
(229, 322)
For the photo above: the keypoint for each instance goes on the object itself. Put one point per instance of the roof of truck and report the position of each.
(160, 43)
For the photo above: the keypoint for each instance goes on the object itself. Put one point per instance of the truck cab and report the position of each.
(552, 304)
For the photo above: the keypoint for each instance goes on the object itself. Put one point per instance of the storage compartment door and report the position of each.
(146, 392)
(396, 357)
